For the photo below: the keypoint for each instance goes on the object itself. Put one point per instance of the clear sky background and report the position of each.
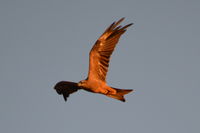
(46, 41)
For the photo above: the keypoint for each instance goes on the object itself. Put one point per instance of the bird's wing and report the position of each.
(66, 88)
(102, 50)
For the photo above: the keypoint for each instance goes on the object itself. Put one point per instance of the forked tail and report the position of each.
(120, 94)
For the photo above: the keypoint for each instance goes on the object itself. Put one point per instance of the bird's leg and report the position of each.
(104, 91)
(111, 91)
(107, 90)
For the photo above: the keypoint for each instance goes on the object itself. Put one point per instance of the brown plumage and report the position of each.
(98, 67)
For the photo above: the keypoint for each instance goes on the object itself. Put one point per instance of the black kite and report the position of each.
(98, 67)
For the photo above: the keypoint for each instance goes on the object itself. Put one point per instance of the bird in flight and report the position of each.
(99, 58)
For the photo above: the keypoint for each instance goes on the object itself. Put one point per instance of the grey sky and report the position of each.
(45, 41)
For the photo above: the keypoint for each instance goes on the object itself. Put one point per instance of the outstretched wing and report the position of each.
(66, 88)
(102, 50)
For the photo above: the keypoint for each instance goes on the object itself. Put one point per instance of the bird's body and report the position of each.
(98, 67)
(96, 86)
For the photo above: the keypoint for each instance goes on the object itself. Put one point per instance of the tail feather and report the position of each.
(120, 94)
